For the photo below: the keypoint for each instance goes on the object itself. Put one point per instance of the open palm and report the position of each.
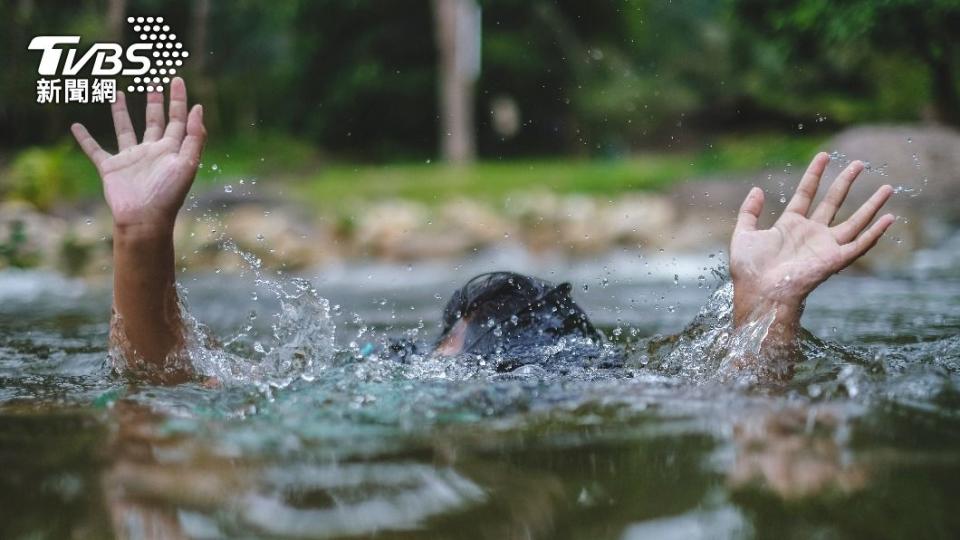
(145, 183)
(787, 261)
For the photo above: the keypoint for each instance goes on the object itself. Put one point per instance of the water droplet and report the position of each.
(214, 167)
(227, 188)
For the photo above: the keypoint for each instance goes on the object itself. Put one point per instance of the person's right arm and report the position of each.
(145, 184)
(775, 269)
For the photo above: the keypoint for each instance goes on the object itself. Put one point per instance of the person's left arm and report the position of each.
(145, 184)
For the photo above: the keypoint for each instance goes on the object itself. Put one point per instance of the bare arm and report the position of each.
(774, 270)
(145, 185)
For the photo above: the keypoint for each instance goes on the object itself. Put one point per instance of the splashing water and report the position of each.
(300, 345)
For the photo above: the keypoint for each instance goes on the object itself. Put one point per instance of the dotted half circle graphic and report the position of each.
(166, 55)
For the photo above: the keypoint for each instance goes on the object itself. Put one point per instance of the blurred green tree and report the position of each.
(869, 44)
(358, 78)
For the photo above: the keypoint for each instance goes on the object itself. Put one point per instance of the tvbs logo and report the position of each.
(151, 61)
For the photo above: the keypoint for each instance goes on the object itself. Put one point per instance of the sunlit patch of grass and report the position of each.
(431, 182)
(257, 155)
(491, 180)
(756, 152)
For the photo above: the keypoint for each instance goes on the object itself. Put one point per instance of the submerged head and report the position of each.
(498, 312)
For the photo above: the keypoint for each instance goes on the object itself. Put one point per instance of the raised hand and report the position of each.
(777, 268)
(145, 183)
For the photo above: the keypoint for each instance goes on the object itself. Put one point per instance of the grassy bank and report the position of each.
(433, 182)
(47, 176)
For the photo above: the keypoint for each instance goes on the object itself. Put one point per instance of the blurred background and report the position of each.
(417, 129)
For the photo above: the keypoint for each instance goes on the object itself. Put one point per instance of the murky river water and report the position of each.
(865, 443)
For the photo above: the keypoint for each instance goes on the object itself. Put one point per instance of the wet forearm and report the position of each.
(749, 307)
(145, 298)
(771, 325)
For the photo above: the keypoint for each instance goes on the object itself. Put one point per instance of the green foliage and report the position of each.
(74, 255)
(357, 78)
(43, 176)
(886, 58)
(15, 248)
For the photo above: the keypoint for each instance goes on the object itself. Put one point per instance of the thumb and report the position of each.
(750, 211)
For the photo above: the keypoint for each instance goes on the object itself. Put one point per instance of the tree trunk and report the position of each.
(201, 86)
(455, 34)
(946, 95)
(116, 13)
(198, 23)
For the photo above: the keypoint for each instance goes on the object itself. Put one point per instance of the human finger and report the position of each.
(177, 125)
(126, 136)
(868, 239)
(196, 136)
(807, 188)
(849, 229)
(833, 200)
(155, 121)
(89, 145)
(750, 211)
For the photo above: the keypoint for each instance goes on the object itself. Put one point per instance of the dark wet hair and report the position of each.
(506, 310)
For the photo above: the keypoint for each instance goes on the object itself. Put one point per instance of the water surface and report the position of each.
(865, 443)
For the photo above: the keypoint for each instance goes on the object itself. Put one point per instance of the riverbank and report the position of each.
(430, 212)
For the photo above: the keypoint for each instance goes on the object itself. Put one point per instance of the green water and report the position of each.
(864, 444)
